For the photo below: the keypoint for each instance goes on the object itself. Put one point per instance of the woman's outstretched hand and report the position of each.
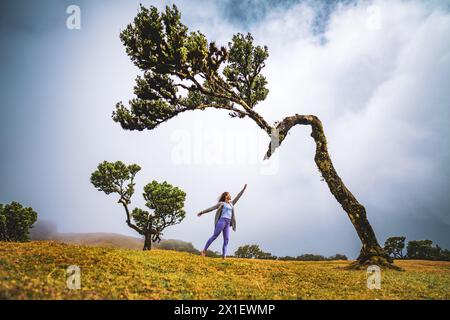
(199, 214)
(245, 186)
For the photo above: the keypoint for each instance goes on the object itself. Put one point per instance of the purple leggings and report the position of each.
(223, 225)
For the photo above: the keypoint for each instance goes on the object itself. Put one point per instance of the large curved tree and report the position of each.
(183, 71)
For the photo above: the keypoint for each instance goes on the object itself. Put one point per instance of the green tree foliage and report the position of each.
(423, 249)
(445, 255)
(394, 246)
(310, 257)
(182, 71)
(314, 257)
(177, 245)
(15, 222)
(213, 254)
(252, 252)
(338, 256)
(115, 177)
(286, 258)
(164, 202)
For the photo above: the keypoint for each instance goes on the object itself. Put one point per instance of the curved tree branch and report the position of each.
(250, 112)
(124, 202)
(371, 251)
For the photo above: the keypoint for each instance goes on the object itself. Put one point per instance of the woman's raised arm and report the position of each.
(239, 195)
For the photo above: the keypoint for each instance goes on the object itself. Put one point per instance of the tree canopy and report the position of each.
(15, 222)
(252, 252)
(115, 177)
(394, 246)
(183, 71)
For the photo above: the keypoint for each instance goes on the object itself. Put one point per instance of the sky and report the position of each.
(375, 72)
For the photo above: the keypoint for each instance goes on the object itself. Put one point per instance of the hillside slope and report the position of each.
(115, 240)
(37, 270)
(101, 239)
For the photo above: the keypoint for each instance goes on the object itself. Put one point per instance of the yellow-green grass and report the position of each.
(37, 270)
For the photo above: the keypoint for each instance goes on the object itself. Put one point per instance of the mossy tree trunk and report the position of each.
(147, 234)
(371, 252)
(148, 241)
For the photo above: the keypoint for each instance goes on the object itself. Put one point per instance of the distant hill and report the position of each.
(47, 230)
(101, 239)
(116, 240)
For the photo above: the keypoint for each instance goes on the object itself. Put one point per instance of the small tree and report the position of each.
(213, 254)
(182, 71)
(252, 252)
(244, 252)
(394, 246)
(310, 257)
(16, 222)
(419, 249)
(178, 245)
(286, 258)
(445, 255)
(164, 201)
(338, 256)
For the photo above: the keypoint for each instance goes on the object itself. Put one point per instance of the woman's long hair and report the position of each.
(222, 196)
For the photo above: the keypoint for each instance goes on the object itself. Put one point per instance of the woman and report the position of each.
(225, 217)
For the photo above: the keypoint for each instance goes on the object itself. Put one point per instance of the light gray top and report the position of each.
(227, 209)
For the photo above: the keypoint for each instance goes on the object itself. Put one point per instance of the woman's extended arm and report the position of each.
(239, 195)
(209, 209)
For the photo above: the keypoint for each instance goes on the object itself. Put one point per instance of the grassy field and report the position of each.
(37, 270)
